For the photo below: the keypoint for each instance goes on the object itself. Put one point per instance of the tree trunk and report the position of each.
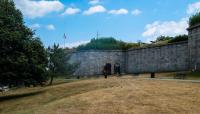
(51, 81)
(52, 75)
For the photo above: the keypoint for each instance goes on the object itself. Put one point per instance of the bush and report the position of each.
(179, 38)
(107, 44)
(164, 38)
(195, 19)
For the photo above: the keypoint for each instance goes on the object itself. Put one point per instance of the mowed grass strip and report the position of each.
(109, 96)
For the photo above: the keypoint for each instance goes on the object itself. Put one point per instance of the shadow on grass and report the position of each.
(55, 82)
(11, 97)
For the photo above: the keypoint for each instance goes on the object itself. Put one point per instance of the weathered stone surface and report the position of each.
(180, 56)
(194, 47)
(92, 62)
(172, 57)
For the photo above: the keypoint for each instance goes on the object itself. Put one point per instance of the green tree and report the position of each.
(194, 20)
(163, 38)
(59, 62)
(168, 39)
(179, 38)
(23, 57)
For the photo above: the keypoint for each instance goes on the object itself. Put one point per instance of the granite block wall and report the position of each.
(92, 62)
(194, 47)
(171, 57)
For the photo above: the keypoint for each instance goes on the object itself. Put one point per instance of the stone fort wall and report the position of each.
(181, 56)
(194, 47)
(92, 62)
(171, 57)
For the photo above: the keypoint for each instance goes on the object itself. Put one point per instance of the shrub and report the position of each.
(107, 44)
(179, 38)
(195, 19)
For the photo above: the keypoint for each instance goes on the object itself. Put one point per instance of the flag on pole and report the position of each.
(65, 37)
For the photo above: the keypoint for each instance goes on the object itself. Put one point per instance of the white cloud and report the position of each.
(74, 44)
(118, 12)
(71, 11)
(50, 27)
(94, 9)
(167, 28)
(94, 2)
(193, 8)
(33, 9)
(35, 26)
(136, 12)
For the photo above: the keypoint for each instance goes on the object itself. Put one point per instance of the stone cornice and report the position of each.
(193, 27)
(157, 46)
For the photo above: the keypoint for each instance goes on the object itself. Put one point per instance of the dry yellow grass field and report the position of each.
(124, 95)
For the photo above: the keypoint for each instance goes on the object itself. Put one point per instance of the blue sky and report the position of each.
(127, 20)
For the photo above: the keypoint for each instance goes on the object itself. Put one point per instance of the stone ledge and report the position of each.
(136, 48)
(193, 27)
(99, 51)
(155, 46)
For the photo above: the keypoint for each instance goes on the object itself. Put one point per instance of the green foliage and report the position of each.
(106, 44)
(58, 62)
(23, 57)
(194, 74)
(56, 59)
(113, 44)
(164, 38)
(195, 19)
(168, 39)
(131, 45)
(179, 38)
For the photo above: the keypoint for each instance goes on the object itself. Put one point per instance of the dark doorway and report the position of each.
(117, 69)
(108, 67)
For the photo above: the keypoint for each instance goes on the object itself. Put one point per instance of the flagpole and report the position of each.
(64, 42)
(64, 39)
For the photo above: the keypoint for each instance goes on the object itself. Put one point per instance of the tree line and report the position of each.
(168, 39)
(110, 43)
(106, 43)
(24, 60)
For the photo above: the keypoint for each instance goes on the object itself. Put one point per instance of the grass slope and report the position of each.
(106, 96)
